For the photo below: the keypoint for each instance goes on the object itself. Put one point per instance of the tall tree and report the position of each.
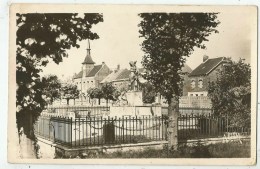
(52, 86)
(231, 93)
(70, 91)
(109, 92)
(40, 39)
(168, 39)
(95, 93)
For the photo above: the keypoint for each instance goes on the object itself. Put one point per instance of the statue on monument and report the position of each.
(134, 77)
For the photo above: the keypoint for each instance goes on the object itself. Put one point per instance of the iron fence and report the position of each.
(206, 126)
(96, 131)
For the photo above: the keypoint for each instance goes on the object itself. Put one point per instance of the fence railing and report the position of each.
(80, 111)
(101, 131)
(206, 126)
(96, 131)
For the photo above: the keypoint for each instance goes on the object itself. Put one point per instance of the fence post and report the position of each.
(94, 121)
(126, 128)
(136, 126)
(210, 123)
(71, 131)
(133, 120)
(79, 130)
(123, 129)
(227, 123)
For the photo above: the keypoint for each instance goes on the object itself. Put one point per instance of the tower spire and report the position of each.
(88, 49)
(88, 59)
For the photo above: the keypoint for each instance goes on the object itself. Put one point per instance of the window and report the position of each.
(191, 94)
(201, 94)
(200, 83)
(192, 83)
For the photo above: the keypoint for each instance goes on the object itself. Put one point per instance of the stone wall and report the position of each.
(194, 101)
(134, 98)
(135, 111)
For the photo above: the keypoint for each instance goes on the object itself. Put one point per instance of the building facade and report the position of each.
(119, 78)
(91, 75)
(197, 82)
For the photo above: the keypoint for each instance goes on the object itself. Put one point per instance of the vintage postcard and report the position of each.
(142, 84)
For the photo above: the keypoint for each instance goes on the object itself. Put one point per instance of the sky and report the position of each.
(119, 42)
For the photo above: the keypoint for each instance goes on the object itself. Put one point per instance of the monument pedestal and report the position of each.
(134, 98)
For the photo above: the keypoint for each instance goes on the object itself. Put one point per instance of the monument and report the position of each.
(134, 95)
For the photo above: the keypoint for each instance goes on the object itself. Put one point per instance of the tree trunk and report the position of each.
(25, 137)
(173, 114)
(99, 101)
(107, 102)
(68, 101)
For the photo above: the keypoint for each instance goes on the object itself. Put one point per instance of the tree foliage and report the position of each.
(109, 92)
(52, 86)
(231, 92)
(149, 93)
(168, 39)
(42, 38)
(90, 93)
(70, 91)
(95, 93)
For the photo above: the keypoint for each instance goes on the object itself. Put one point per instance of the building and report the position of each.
(119, 78)
(198, 80)
(91, 75)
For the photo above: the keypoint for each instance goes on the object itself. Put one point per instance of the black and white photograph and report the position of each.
(132, 84)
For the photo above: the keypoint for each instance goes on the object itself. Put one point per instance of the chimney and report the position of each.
(118, 67)
(205, 58)
(103, 63)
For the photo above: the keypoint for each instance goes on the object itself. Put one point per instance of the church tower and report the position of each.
(88, 63)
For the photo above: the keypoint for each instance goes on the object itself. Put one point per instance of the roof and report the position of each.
(112, 76)
(186, 69)
(123, 75)
(91, 73)
(79, 75)
(118, 75)
(206, 67)
(88, 59)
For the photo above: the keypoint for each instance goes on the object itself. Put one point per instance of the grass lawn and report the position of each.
(219, 150)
